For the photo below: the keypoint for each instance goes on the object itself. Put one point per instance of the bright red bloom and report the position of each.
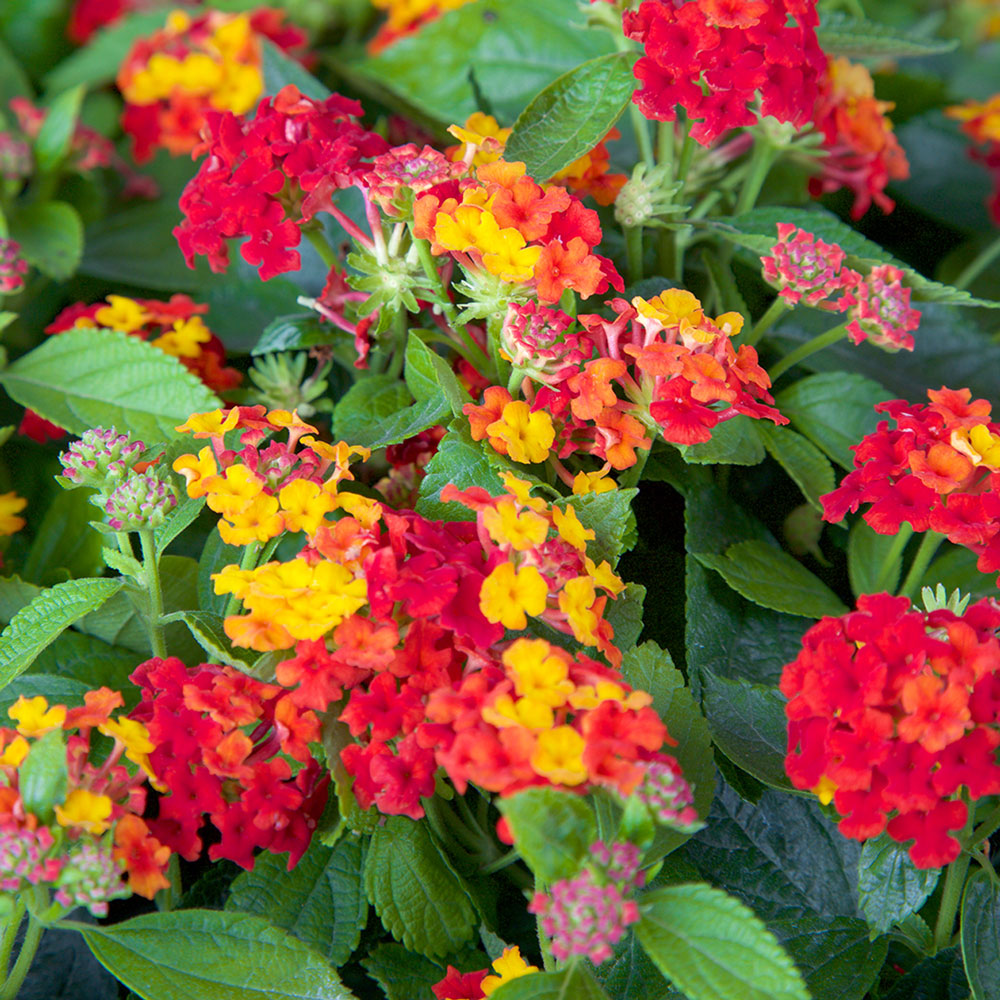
(892, 712)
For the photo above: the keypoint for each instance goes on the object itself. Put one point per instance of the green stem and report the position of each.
(979, 264)
(10, 934)
(951, 896)
(125, 544)
(325, 251)
(504, 861)
(249, 561)
(29, 946)
(151, 573)
(891, 559)
(985, 829)
(803, 351)
(633, 253)
(775, 311)
(928, 546)
(544, 944)
(665, 145)
(761, 160)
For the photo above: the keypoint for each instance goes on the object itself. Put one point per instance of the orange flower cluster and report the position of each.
(94, 822)
(194, 66)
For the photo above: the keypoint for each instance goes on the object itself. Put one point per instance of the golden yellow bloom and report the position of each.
(538, 672)
(304, 505)
(212, 424)
(521, 529)
(558, 756)
(134, 736)
(185, 339)
(576, 601)
(504, 251)
(528, 435)
(524, 712)
(257, 520)
(520, 490)
(84, 809)
(477, 130)
(15, 752)
(34, 717)
(10, 505)
(603, 576)
(459, 231)
(508, 966)
(979, 444)
(197, 471)
(122, 314)
(507, 595)
(824, 790)
(231, 492)
(570, 529)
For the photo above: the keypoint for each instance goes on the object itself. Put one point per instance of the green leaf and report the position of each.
(624, 614)
(649, 668)
(733, 442)
(88, 659)
(52, 142)
(43, 776)
(890, 885)
(772, 578)
(428, 375)
(98, 378)
(866, 549)
(35, 626)
(403, 424)
(510, 50)
(207, 629)
(64, 546)
(631, 975)
(320, 900)
(13, 81)
(295, 332)
(757, 231)
(214, 557)
(51, 237)
(712, 947)
(368, 403)
(841, 35)
(980, 936)
(941, 977)
(574, 983)
(461, 461)
(415, 891)
(553, 830)
(211, 955)
(183, 515)
(571, 115)
(280, 70)
(956, 569)
(35, 30)
(610, 516)
(117, 623)
(834, 410)
(97, 62)
(804, 462)
(401, 974)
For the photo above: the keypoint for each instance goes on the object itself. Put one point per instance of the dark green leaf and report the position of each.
(428, 375)
(834, 411)
(52, 142)
(212, 955)
(609, 515)
(401, 974)
(13, 81)
(463, 462)
(214, 557)
(624, 614)
(183, 515)
(553, 830)
(866, 549)
(939, 978)
(956, 569)
(207, 629)
(86, 659)
(43, 776)
(804, 462)
(980, 936)
(576, 982)
(772, 578)
(64, 546)
(415, 891)
(35, 30)
(99, 378)
(37, 624)
(51, 237)
(320, 900)
(631, 975)
(280, 70)
(117, 623)
(733, 442)
(368, 403)
(296, 332)
(890, 886)
(841, 35)
(713, 947)
(571, 115)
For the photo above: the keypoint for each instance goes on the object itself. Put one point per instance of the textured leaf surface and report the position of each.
(891, 887)
(980, 936)
(840, 35)
(51, 237)
(574, 983)
(98, 378)
(808, 467)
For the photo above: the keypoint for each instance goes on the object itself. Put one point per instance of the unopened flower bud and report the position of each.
(91, 878)
(101, 458)
(143, 501)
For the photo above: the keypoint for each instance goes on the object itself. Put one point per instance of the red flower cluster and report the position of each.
(266, 177)
(892, 712)
(222, 746)
(192, 66)
(861, 151)
(714, 57)
(938, 469)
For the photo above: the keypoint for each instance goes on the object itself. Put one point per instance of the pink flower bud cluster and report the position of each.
(102, 457)
(668, 795)
(537, 340)
(13, 267)
(23, 857)
(142, 501)
(880, 310)
(91, 878)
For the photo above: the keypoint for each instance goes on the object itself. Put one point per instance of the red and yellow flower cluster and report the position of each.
(862, 153)
(266, 177)
(94, 818)
(234, 749)
(193, 66)
(728, 63)
(483, 982)
(892, 713)
(981, 123)
(660, 366)
(938, 470)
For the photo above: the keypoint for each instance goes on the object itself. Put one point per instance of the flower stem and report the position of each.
(979, 264)
(761, 160)
(985, 829)
(633, 253)
(891, 559)
(775, 311)
(805, 350)
(951, 896)
(10, 934)
(928, 546)
(151, 573)
(29, 946)
(325, 251)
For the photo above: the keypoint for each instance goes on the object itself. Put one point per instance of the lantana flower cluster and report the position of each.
(266, 177)
(893, 717)
(192, 66)
(937, 469)
(805, 269)
(231, 750)
(727, 63)
(483, 982)
(91, 835)
(660, 366)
